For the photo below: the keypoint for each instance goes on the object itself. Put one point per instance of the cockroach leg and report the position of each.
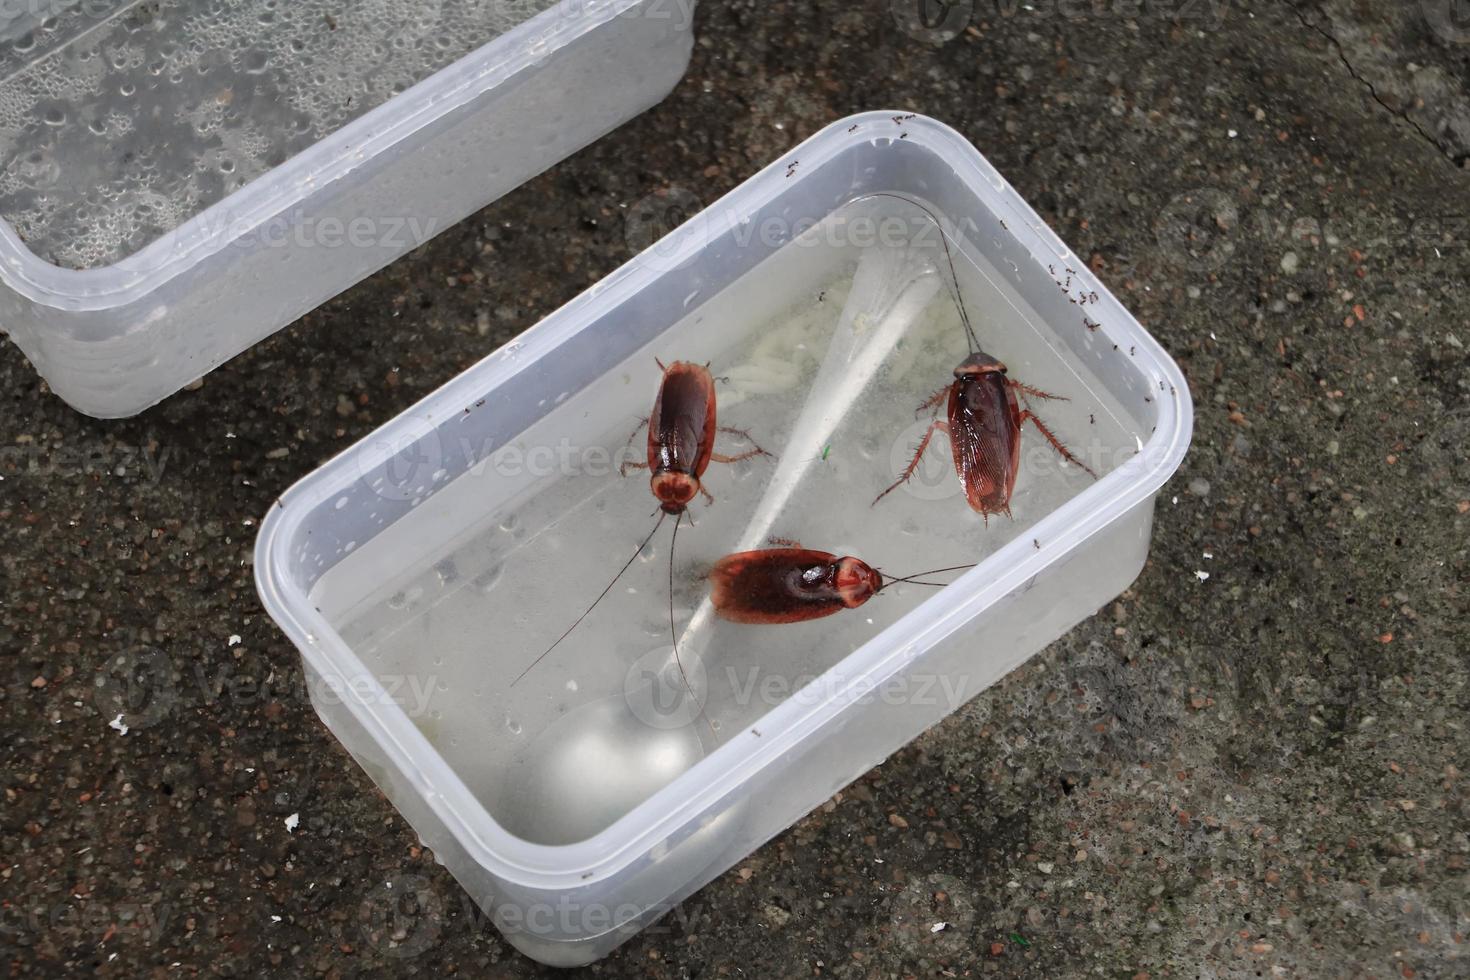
(934, 400)
(740, 434)
(937, 425)
(630, 464)
(708, 498)
(1036, 392)
(722, 458)
(1028, 415)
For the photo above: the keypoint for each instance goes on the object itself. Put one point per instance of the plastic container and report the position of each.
(287, 151)
(571, 902)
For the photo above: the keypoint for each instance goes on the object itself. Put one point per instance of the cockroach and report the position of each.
(775, 586)
(984, 416)
(984, 428)
(681, 445)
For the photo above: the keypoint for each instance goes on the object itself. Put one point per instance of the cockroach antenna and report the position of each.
(626, 565)
(955, 291)
(914, 579)
(674, 632)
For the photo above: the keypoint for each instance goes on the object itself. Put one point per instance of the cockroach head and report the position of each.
(674, 490)
(856, 581)
(977, 364)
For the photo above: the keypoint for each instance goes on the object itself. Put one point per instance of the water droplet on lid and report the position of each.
(487, 580)
(447, 572)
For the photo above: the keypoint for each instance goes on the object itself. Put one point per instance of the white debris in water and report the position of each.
(1209, 554)
(118, 725)
(293, 821)
(234, 640)
(939, 927)
(1202, 576)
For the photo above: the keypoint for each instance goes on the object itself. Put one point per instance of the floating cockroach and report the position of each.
(681, 445)
(793, 585)
(984, 428)
(984, 416)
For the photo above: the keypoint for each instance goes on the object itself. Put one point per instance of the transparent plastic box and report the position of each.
(179, 180)
(571, 902)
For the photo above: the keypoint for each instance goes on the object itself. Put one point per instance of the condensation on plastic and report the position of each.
(142, 250)
(569, 905)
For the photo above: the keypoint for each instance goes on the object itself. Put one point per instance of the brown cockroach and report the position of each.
(984, 429)
(681, 445)
(774, 586)
(984, 416)
(681, 437)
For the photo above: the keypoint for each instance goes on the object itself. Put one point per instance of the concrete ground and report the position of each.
(1256, 775)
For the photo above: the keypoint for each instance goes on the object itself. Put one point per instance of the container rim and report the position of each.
(787, 725)
(216, 227)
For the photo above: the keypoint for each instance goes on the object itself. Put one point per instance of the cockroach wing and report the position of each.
(681, 430)
(984, 434)
(777, 586)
